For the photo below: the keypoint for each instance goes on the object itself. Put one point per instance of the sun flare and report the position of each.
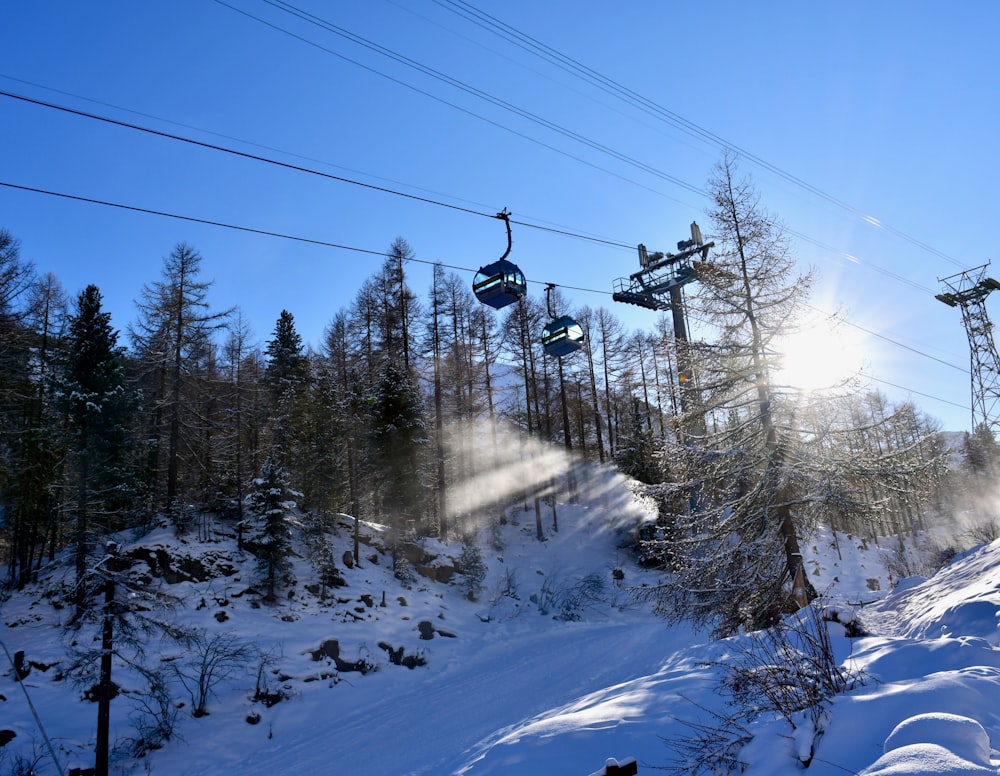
(820, 356)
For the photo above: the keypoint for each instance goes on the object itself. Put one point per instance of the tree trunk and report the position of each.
(105, 688)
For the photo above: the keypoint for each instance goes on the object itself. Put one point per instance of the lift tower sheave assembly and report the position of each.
(968, 291)
(657, 286)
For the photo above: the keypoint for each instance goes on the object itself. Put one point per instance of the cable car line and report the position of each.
(855, 260)
(262, 232)
(290, 166)
(467, 88)
(859, 327)
(382, 254)
(426, 200)
(566, 231)
(614, 88)
(383, 189)
(919, 393)
(225, 136)
(459, 108)
(323, 24)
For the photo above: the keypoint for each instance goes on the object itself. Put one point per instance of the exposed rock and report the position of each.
(395, 655)
(397, 658)
(21, 669)
(183, 568)
(427, 631)
(426, 628)
(330, 649)
(414, 553)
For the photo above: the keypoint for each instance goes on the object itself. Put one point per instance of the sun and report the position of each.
(825, 354)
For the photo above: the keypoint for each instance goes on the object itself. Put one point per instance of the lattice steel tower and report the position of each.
(968, 291)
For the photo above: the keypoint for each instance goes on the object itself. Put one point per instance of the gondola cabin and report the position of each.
(562, 336)
(499, 284)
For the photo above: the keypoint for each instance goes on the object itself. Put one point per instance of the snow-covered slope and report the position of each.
(553, 669)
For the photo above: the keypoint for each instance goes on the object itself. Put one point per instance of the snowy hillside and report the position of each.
(552, 669)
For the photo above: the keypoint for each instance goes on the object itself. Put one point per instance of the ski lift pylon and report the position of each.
(502, 282)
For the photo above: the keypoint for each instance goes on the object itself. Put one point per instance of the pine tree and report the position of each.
(399, 439)
(288, 376)
(15, 348)
(272, 504)
(100, 408)
(287, 364)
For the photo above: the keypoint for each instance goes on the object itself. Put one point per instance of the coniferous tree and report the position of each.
(738, 561)
(272, 503)
(15, 279)
(398, 441)
(36, 450)
(100, 408)
(243, 402)
(348, 417)
(288, 376)
(170, 336)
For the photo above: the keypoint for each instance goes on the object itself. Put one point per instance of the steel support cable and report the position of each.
(918, 393)
(857, 261)
(563, 230)
(330, 27)
(311, 18)
(323, 243)
(211, 146)
(622, 92)
(891, 341)
(296, 167)
(468, 89)
(262, 232)
(459, 108)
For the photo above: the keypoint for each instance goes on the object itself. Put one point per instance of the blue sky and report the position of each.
(886, 110)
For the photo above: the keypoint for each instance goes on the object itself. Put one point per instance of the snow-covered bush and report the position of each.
(568, 600)
(505, 598)
(786, 672)
(472, 567)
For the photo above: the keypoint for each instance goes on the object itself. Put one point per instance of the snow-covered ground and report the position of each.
(510, 687)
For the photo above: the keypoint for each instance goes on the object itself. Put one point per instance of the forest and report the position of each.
(415, 412)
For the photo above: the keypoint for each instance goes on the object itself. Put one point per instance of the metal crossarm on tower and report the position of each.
(968, 291)
(657, 286)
